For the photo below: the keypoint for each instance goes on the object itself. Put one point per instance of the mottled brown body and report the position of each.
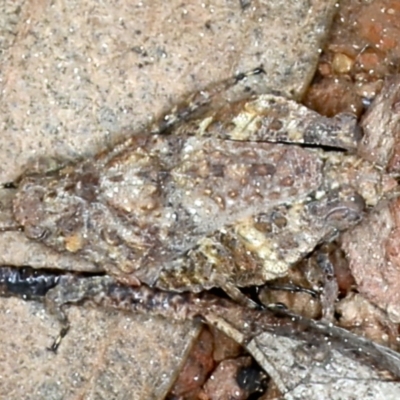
(213, 203)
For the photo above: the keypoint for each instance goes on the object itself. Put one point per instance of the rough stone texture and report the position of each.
(223, 381)
(363, 318)
(381, 125)
(197, 367)
(105, 354)
(320, 373)
(363, 48)
(74, 78)
(372, 248)
(373, 252)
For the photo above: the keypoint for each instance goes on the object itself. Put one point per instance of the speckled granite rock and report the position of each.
(105, 354)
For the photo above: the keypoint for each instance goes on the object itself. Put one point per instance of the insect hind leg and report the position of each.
(199, 102)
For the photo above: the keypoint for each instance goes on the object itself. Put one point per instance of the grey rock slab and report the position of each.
(320, 373)
(105, 355)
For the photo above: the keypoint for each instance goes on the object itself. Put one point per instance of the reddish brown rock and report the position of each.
(381, 125)
(227, 381)
(373, 250)
(197, 366)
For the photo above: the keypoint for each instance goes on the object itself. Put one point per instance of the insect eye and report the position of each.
(36, 232)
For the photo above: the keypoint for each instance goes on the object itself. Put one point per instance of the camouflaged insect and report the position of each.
(230, 197)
